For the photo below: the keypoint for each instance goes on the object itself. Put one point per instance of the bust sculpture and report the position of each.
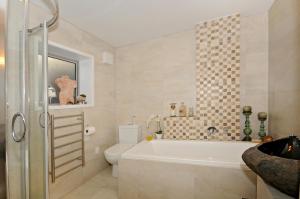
(66, 86)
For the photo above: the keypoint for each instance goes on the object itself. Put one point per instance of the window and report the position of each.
(78, 66)
(57, 67)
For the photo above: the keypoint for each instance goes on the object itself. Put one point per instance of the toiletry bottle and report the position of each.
(149, 136)
(182, 110)
(173, 110)
(191, 112)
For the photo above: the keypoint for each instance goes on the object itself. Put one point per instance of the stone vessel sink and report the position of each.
(278, 170)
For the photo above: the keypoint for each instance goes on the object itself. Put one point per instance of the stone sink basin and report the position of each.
(280, 172)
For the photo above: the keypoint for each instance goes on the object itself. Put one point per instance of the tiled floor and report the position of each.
(102, 186)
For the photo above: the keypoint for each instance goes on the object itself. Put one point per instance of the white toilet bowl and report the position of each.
(129, 135)
(113, 155)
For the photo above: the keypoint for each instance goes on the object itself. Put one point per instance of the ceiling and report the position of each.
(123, 22)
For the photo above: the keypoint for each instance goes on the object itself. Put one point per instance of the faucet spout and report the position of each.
(212, 130)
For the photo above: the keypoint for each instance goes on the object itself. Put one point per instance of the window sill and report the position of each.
(71, 106)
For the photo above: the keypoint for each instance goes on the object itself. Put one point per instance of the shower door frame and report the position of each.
(24, 87)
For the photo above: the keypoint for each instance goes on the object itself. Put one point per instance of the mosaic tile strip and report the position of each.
(217, 82)
(218, 75)
(181, 128)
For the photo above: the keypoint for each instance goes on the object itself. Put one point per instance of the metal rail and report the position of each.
(51, 22)
(63, 164)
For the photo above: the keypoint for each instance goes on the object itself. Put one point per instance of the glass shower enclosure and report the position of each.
(26, 123)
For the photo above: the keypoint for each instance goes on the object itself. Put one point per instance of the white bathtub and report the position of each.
(172, 169)
(207, 153)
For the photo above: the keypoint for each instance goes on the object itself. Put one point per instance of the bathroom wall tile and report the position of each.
(284, 61)
(172, 77)
(254, 67)
(149, 77)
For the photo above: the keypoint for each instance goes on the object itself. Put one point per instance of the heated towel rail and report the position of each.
(67, 144)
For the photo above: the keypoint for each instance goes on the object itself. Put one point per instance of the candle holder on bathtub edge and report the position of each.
(262, 117)
(247, 111)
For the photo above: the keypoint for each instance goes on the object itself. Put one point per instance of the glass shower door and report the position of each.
(26, 105)
(38, 112)
(15, 101)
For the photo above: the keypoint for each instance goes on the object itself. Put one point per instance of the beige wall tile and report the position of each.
(284, 60)
(152, 74)
(254, 66)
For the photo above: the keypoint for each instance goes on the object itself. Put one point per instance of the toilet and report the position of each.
(129, 135)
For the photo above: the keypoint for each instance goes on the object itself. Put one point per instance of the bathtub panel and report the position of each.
(224, 183)
(142, 179)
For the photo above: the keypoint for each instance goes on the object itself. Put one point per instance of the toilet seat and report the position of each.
(116, 150)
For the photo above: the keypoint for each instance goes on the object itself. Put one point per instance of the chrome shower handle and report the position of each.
(42, 120)
(14, 136)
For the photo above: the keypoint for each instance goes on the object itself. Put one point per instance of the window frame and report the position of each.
(73, 61)
(86, 74)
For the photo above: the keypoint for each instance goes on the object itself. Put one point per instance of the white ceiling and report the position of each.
(122, 22)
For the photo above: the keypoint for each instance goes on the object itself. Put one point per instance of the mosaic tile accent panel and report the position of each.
(217, 83)
(180, 128)
(218, 75)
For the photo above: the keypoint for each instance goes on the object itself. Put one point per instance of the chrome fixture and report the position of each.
(77, 137)
(212, 130)
(50, 23)
(15, 137)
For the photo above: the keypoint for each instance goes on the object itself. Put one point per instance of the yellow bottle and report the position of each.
(149, 137)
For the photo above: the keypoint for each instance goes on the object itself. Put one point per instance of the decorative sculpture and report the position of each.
(247, 111)
(66, 86)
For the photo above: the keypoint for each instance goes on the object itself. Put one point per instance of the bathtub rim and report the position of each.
(233, 165)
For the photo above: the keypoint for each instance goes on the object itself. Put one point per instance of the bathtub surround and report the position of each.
(217, 83)
(284, 59)
(176, 170)
(167, 66)
(154, 180)
(102, 115)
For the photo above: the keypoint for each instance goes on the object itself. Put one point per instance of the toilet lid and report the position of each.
(118, 149)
